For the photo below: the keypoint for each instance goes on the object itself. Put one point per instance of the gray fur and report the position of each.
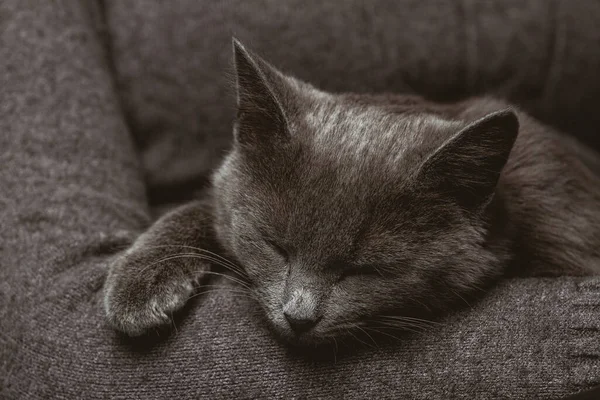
(342, 208)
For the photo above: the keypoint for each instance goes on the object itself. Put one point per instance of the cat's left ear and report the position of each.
(468, 165)
(260, 88)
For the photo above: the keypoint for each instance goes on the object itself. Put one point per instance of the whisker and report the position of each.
(221, 288)
(242, 289)
(211, 256)
(401, 327)
(341, 326)
(212, 260)
(404, 323)
(367, 333)
(384, 333)
(231, 278)
(198, 256)
(174, 325)
(460, 297)
(234, 293)
(479, 288)
(224, 259)
(355, 337)
(157, 262)
(412, 319)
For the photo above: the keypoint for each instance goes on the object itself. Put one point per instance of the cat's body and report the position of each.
(342, 209)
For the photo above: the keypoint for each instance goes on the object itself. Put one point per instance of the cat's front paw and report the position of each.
(141, 294)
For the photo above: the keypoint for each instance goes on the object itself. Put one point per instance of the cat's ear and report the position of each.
(468, 165)
(260, 115)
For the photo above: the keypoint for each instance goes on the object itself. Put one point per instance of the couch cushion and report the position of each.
(173, 62)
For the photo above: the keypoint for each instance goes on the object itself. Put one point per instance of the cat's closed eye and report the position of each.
(279, 249)
(358, 271)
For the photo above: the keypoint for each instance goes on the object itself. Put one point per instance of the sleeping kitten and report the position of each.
(343, 207)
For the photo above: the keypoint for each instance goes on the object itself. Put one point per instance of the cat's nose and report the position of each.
(300, 324)
(300, 310)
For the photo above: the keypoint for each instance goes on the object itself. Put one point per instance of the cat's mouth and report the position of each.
(297, 333)
(323, 333)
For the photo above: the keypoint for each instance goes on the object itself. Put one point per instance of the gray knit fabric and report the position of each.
(72, 194)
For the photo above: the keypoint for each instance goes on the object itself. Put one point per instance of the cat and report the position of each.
(337, 209)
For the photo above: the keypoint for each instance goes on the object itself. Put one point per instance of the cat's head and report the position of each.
(342, 212)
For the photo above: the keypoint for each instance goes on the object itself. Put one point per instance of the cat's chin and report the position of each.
(303, 340)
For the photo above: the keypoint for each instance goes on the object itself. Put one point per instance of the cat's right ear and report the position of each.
(261, 118)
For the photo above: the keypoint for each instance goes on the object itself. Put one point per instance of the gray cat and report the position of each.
(341, 208)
